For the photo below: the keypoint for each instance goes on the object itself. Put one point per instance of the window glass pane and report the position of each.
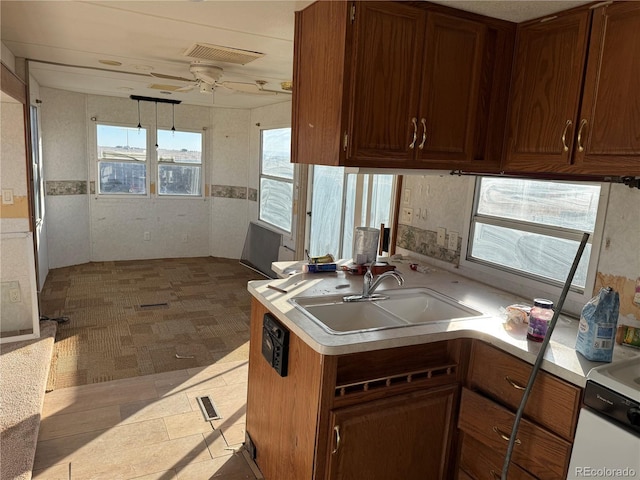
(565, 205)
(349, 207)
(179, 147)
(276, 153)
(530, 253)
(179, 180)
(326, 214)
(122, 177)
(276, 199)
(380, 200)
(122, 143)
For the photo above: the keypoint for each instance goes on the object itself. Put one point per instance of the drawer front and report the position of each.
(553, 403)
(538, 451)
(484, 463)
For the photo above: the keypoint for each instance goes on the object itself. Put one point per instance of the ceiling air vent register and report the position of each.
(217, 53)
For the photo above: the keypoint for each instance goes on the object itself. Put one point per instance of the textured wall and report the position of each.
(84, 227)
(64, 158)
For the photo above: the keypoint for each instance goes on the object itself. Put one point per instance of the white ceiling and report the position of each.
(151, 36)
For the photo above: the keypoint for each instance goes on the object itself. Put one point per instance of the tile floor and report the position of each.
(147, 428)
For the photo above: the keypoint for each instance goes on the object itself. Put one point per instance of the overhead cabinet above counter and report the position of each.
(575, 104)
(418, 85)
(392, 84)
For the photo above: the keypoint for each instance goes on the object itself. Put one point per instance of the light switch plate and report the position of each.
(442, 233)
(453, 241)
(7, 196)
(407, 195)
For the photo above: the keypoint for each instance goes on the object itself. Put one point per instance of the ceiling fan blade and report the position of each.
(170, 77)
(244, 87)
(187, 88)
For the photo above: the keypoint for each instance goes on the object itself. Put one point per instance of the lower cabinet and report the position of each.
(406, 437)
(544, 439)
(392, 413)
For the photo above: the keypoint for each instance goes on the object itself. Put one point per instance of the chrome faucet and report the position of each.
(370, 285)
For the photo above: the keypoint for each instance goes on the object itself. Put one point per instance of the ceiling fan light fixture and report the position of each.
(206, 72)
(206, 88)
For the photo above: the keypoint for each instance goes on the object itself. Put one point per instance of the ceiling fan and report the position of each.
(207, 76)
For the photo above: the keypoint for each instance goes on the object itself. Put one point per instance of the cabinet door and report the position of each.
(547, 78)
(406, 436)
(609, 143)
(450, 88)
(317, 118)
(386, 55)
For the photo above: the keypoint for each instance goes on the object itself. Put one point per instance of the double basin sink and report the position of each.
(403, 307)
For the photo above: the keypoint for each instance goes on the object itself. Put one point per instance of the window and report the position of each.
(179, 163)
(340, 201)
(276, 178)
(122, 160)
(533, 228)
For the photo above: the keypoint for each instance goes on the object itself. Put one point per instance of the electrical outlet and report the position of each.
(407, 216)
(14, 295)
(147, 236)
(442, 233)
(453, 241)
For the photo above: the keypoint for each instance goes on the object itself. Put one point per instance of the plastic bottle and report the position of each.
(539, 318)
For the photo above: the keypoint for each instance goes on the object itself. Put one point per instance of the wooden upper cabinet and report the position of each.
(610, 116)
(399, 84)
(576, 110)
(451, 74)
(385, 89)
(547, 78)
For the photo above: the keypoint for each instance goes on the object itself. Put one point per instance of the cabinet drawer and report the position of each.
(553, 403)
(538, 451)
(484, 463)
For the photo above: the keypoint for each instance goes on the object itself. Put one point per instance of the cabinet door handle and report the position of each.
(414, 120)
(504, 436)
(337, 430)
(583, 124)
(514, 384)
(565, 147)
(423, 121)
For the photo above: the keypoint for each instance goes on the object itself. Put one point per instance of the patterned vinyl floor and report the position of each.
(134, 318)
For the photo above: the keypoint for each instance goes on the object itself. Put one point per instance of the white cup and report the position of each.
(365, 245)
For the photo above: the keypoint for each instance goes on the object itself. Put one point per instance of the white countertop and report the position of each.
(560, 358)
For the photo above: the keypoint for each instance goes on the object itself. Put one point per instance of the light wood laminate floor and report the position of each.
(147, 428)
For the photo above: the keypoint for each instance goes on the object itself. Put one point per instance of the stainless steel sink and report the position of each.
(403, 308)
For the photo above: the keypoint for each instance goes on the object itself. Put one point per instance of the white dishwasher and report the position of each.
(607, 441)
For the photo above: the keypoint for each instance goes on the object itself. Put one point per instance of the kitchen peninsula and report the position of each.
(404, 401)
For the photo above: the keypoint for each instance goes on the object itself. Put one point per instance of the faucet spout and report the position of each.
(371, 283)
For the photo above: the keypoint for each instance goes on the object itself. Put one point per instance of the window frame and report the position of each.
(147, 162)
(291, 181)
(531, 286)
(201, 165)
(36, 165)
